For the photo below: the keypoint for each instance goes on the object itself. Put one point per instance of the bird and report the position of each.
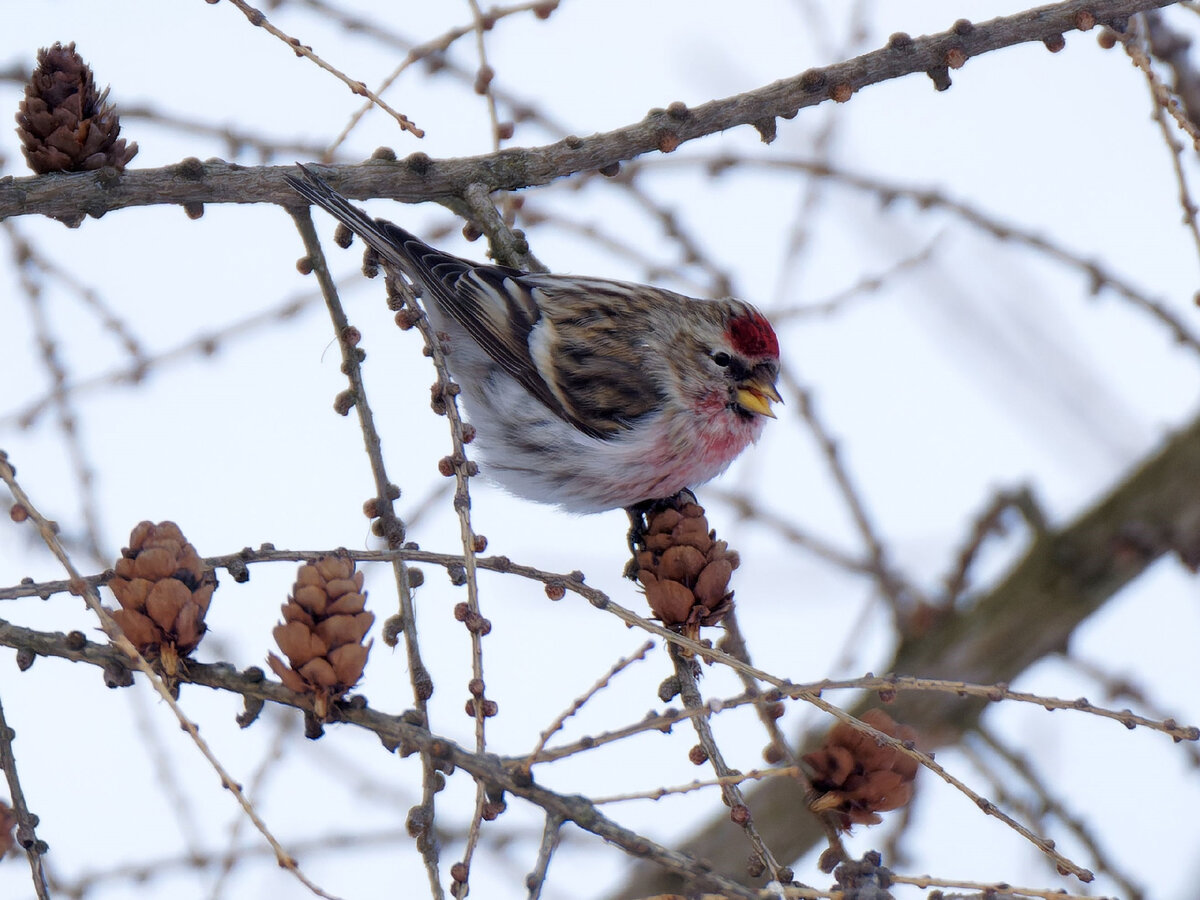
(585, 393)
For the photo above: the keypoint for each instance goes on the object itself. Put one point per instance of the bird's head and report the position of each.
(746, 358)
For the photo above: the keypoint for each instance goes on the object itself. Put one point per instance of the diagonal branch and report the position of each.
(420, 178)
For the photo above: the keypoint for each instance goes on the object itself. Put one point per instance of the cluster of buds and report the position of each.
(857, 778)
(681, 565)
(164, 589)
(321, 635)
(64, 123)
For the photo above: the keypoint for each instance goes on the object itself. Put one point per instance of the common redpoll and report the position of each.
(586, 393)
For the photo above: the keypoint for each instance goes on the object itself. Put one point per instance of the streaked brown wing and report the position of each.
(496, 308)
(598, 336)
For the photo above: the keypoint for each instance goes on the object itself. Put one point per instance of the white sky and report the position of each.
(988, 367)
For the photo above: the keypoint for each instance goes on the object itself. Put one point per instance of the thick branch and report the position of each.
(1066, 576)
(418, 178)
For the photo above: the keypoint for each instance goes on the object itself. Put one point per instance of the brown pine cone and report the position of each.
(684, 569)
(164, 590)
(8, 822)
(322, 631)
(64, 123)
(856, 777)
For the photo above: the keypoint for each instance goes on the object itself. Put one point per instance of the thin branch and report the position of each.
(386, 524)
(67, 420)
(434, 49)
(1098, 275)
(860, 290)
(1050, 803)
(898, 591)
(1117, 686)
(698, 784)
(739, 812)
(485, 73)
(559, 720)
(551, 835)
(26, 821)
(987, 523)
(445, 398)
(1172, 47)
(508, 247)
(285, 731)
(1164, 98)
(782, 527)
(204, 346)
(769, 712)
(988, 890)
(1167, 104)
(256, 18)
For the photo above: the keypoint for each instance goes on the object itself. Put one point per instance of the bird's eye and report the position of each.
(721, 358)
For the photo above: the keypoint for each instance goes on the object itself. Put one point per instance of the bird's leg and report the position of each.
(639, 520)
(637, 534)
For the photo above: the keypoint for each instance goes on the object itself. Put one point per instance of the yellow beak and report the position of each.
(756, 397)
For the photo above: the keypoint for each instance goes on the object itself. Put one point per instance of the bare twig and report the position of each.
(1171, 47)
(698, 784)
(1164, 98)
(559, 720)
(508, 247)
(428, 50)
(445, 393)
(67, 420)
(739, 812)
(551, 835)
(899, 593)
(485, 73)
(988, 523)
(1050, 803)
(284, 731)
(988, 890)
(256, 17)
(868, 284)
(26, 821)
(1117, 686)
(1167, 104)
(204, 346)
(782, 527)
(1099, 276)
(389, 526)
